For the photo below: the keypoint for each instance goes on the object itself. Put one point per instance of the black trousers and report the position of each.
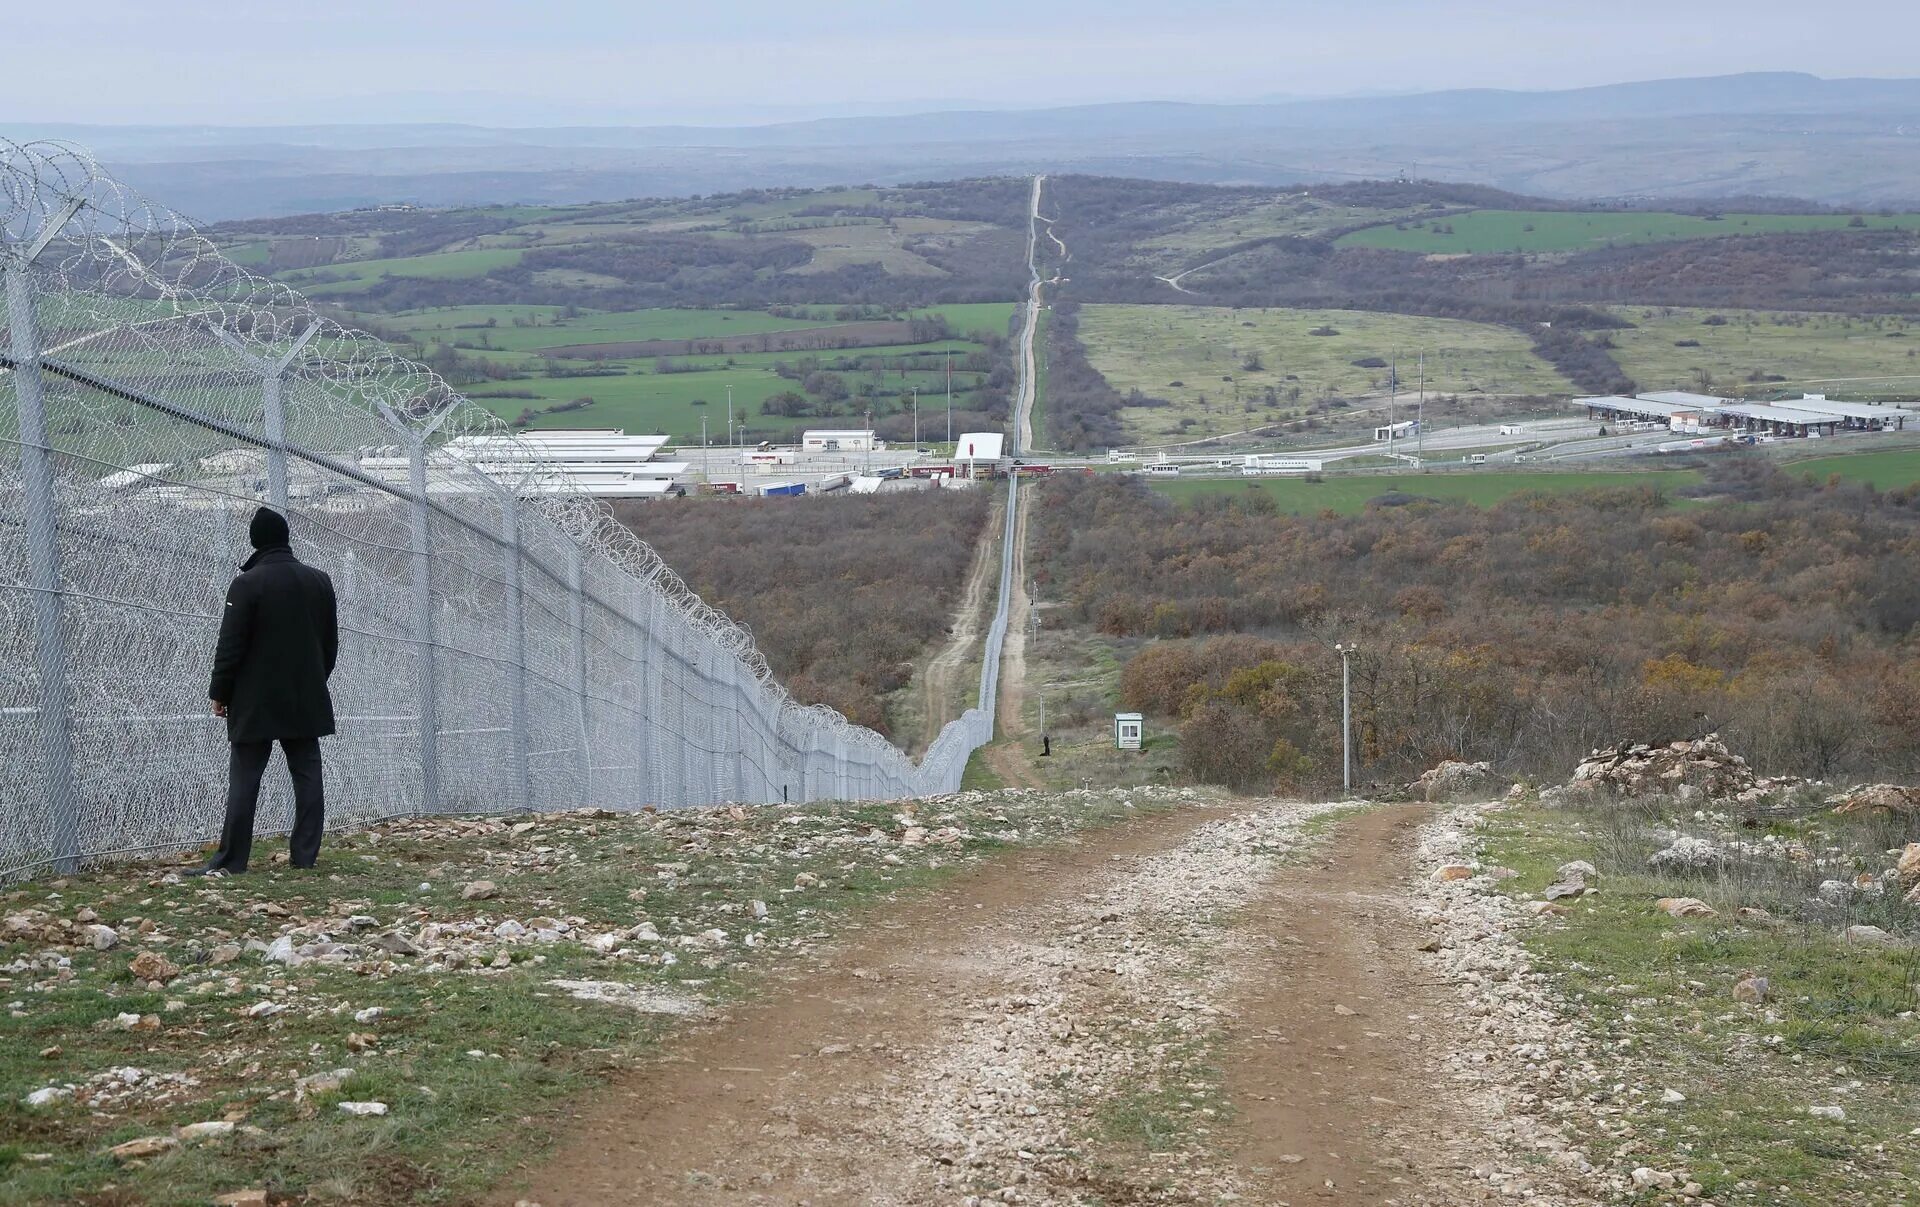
(245, 765)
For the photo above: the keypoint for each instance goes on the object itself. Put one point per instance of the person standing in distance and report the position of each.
(279, 639)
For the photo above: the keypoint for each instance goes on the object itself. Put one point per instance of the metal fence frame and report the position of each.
(503, 648)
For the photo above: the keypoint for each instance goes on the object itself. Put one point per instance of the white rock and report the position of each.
(509, 930)
(369, 1015)
(281, 951)
(1837, 1114)
(265, 1009)
(213, 1129)
(48, 1096)
(103, 938)
(1672, 1097)
(364, 1109)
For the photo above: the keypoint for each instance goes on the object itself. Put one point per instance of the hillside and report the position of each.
(1715, 136)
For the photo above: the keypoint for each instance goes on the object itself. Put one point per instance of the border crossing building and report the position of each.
(1810, 415)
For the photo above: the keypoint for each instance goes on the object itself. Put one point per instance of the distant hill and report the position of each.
(1845, 141)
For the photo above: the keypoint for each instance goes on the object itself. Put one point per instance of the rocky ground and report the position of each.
(1677, 1009)
(1226, 1005)
(1141, 996)
(398, 1026)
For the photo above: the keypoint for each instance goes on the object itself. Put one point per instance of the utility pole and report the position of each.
(1420, 415)
(916, 418)
(1346, 719)
(706, 457)
(729, 414)
(949, 398)
(868, 471)
(1393, 396)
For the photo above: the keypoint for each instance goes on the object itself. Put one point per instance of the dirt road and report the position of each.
(1048, 1029)
(953, 665)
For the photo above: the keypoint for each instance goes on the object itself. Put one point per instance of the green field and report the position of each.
(1755, 352)
(1195, 357)
(642, 400)
(528, 328)
(655, 402)
(355, 275)
(1349, 495)
(1264, 218)
(1889, 470)
(1484, 232)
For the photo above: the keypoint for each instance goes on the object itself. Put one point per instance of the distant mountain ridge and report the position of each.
(1746, 133)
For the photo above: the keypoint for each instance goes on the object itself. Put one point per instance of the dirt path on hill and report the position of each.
(953, 665)
(1044, 1030)
(1333, 1067)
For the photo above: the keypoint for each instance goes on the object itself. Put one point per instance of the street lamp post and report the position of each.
(1346, 719)
(916, 417)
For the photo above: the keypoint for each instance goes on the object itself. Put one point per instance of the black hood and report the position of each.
(268, 534)
(268, 530)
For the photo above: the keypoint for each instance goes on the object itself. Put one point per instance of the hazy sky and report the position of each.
(607, 61)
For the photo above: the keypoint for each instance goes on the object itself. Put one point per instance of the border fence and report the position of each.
(506, 645)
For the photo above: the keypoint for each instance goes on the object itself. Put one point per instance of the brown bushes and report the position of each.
(841, 593)
(1522, 635)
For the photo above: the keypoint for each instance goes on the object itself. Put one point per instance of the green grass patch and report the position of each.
(1837, 1031)
(1226, 370)
(529, 328)
(356, 275)
(1887, 470)
(1763, 353)
(1483, 232)
(1349, 495)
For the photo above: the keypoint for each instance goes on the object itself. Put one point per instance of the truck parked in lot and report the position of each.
(782, 490)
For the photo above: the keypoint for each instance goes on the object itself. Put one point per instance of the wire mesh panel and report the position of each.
(505, 643)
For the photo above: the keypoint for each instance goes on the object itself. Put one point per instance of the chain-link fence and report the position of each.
(505, 644)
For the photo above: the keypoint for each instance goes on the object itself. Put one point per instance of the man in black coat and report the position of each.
(279, 639)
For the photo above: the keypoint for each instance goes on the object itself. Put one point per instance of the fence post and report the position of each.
(647, 617)
(517, 632)
(577, 607)
(273, 376)
(274, 415)
(423, 624)
(43, 554)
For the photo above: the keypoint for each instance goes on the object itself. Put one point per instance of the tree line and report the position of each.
(1524, 634)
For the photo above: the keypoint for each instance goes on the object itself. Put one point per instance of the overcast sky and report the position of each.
(639, 61)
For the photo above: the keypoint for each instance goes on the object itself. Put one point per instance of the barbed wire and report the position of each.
(150, 350)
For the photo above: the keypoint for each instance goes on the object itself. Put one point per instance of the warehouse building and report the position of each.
(602, 464)
(853, 440)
